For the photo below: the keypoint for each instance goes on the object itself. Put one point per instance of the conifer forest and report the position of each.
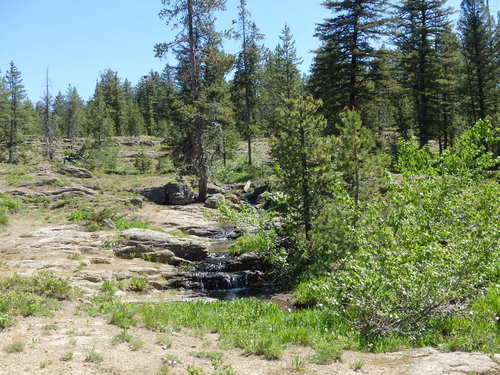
(237, 213)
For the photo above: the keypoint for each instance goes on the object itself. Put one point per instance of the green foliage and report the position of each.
(264, 243)
(417, 255)
(355, 158)
(237, 169)
(15, 347)
(143, 162)
(104, 158)
(8, 205)
(94, 219)
(302, 154)
(470, 156)
(30, 296)
(138, 284)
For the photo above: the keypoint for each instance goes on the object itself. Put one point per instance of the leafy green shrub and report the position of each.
(264, 243)
(37, 295)
(105, 158)
(138, 284)
(94, 219)
(417, 255)
(8, 205)
(143, 162)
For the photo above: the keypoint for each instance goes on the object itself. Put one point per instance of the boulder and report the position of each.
(213, 200)
(153, 245)
(247, 261)
(75, 172)
(170, 194)
(138, 202)
(214, 189)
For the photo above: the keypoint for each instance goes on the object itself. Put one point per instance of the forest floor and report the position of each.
(40, 238)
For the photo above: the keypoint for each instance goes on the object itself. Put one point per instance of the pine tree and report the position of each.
(341, 66)
(16, 112)
(74, 114)
(195, 46)
(302, 155)
(112, 91)
(58, 115)
(353, 151)
(419, 24)
(48, 125)
(148, 97)
(100, 124)
(477, 36)
(446, 94)
(281, 77)
(246, 78)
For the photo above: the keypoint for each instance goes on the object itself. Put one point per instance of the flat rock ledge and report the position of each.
(160, 247)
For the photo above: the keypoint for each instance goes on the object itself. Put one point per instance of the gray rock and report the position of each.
(144, 241)
(170, 194)
(433, 362)
(214, 189)
(75, 171)
(138, 202)
(247, 261)
(213, 200)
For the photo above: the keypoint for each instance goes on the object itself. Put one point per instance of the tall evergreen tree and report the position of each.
(477, 37)
(58, 115)
(302, 154)
(341, 66)
(281, 77)
(246, 78)
(74, 114)
(420, 24)
(16, 111)
(100, 125)
(112, 91)
(195, 46)
(48, 124)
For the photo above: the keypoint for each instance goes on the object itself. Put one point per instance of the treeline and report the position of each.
(402, 66)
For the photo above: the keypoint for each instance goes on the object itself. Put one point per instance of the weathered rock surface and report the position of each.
(213, 200)
(71, 170)
(433, 362)
(170, 194)
(214, 189)
(247, 261)
(161, 247)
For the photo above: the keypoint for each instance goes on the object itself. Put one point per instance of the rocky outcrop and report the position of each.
(213, 200)
(170, 194)
(70, 170)
(160, 247)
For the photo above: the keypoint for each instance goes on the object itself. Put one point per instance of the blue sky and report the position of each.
(77, 40)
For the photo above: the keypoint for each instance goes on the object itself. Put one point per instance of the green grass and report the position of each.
(38, 295)
(264, 329)
(8, 205)
(134, 343)
(93, 356)
(15, 347)
(207, 355)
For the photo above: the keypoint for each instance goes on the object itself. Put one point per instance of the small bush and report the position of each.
(93, 356)
(138, 284)
(143, 162)
(105, 158)
(15, 347)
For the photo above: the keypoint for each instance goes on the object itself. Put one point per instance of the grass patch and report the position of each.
(15, 347)
(207, 355)
(38, 295)
(8, 205)
(124, 337)
(93, 356)
(264, 329)
(106, 217)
